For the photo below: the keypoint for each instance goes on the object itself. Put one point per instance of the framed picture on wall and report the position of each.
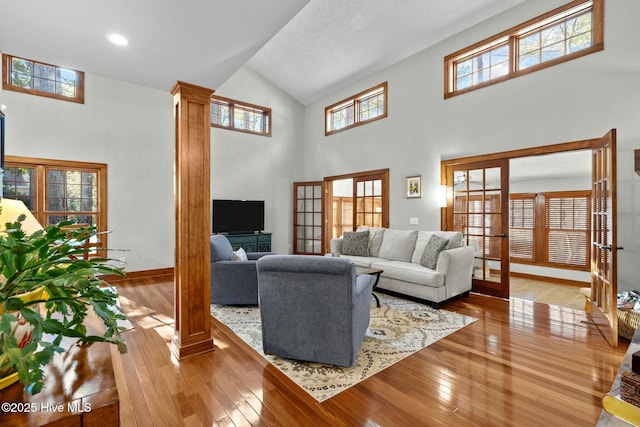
(414, 187)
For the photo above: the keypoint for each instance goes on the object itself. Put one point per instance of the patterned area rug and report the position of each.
(397, 329)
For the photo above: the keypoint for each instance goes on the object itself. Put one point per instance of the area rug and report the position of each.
(397, 329)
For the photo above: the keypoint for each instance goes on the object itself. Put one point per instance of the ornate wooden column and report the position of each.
(193, 203)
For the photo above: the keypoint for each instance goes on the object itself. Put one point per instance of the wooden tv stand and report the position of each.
(250, 242)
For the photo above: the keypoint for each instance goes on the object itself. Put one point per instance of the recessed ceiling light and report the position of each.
(118, 39)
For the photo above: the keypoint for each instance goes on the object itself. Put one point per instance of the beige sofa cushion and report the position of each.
(398, 245)
(413, 273)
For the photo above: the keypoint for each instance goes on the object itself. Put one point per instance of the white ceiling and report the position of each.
(196, 41)
(307, 48)
(331, 43)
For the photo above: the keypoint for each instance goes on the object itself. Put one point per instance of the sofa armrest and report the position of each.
(457, 267)
(234, 268)
(364, 283)
(234, 282)
(336, 245)
(257, 255)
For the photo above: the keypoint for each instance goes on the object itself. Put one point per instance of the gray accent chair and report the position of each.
(313, 308)
(232, 282)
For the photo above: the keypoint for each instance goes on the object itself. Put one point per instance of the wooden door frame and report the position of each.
(328, 210)
(587, 144)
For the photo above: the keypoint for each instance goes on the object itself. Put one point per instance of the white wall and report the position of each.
(581, 99)
(253, 167)
(126, 126)
(543, 185)
(131, 129)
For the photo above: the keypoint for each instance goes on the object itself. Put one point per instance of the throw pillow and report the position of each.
(376, 242)
(435, 245)
(356, 243)
(239, 255)
(455, 240)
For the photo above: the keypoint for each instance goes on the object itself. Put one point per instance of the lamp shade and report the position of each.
(11, 210)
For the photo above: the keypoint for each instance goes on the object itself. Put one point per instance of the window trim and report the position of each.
(512, 35)
(40, 167)
(232, 105)
(355, 100)
(6, 84)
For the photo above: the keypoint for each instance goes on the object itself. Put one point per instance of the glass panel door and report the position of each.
(604, 241)
(368, 201)
(307, 228)
(479, 210)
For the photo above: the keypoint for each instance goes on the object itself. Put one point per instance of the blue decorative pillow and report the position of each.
(435, 245)
(356, 243)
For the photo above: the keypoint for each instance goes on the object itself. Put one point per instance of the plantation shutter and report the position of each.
(521, 227)
(567, 228)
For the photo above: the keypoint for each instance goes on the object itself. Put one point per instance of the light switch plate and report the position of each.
(413, 220)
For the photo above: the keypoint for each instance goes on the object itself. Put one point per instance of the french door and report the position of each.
(369, 200)
(307, 218)
(354, 200)
(478, 207)
(604, 249)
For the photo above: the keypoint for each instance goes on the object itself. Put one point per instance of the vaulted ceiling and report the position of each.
(307, 48)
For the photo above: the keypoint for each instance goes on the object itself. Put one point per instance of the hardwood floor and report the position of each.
(521, 364)
(547, 292)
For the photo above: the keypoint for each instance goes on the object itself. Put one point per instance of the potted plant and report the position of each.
(47, 289)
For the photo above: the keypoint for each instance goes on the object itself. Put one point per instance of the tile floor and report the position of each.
(548, 293)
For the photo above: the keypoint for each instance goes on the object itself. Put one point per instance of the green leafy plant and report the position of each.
(52, 259)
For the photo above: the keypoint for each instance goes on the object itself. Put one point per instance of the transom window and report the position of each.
(484, 66)
(240, 116)
(566, 33)
(356, 110)
(37, 78)
(56, 190)
(561, 37)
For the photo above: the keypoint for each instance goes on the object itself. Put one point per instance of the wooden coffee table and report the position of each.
(374, 272)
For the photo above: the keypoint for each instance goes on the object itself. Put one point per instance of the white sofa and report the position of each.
(399, 254)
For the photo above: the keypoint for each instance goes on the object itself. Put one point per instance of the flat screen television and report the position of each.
(237, 216)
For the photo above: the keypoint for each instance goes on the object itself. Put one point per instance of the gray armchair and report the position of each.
(232, 282)
(313, 308)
